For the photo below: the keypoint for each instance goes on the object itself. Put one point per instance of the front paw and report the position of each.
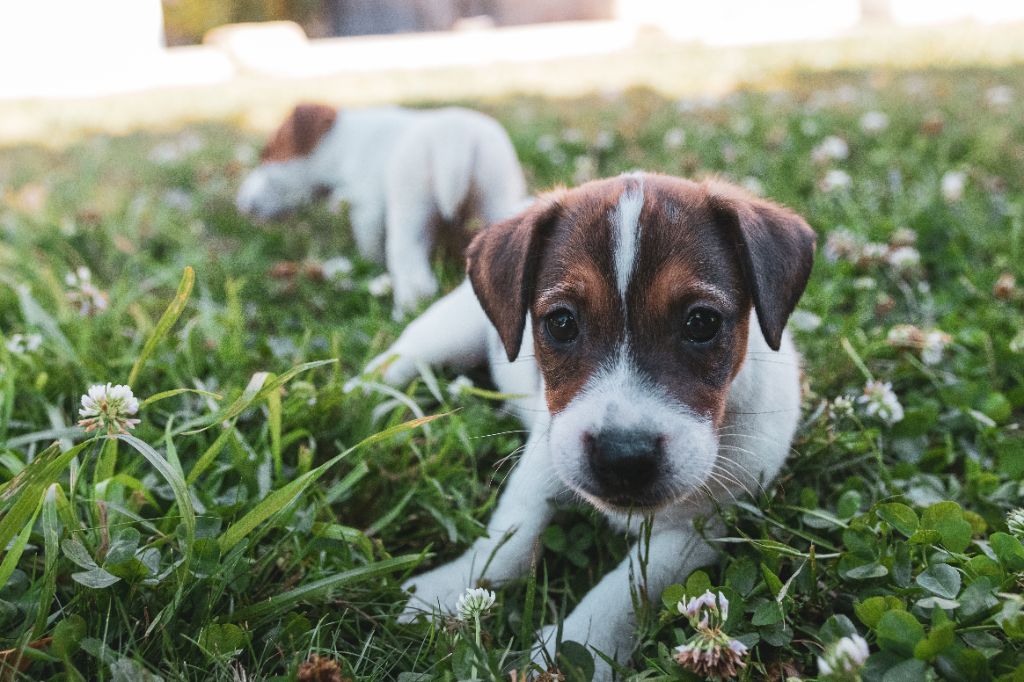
(410, 290)
(435, 591)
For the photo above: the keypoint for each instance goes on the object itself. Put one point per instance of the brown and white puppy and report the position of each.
(410, 178)
(645, 316)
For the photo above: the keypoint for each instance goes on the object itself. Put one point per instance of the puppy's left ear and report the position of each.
(502, 263)
(776, 253)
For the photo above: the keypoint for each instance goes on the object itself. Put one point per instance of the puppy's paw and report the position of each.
(436, 591)
(410, 291)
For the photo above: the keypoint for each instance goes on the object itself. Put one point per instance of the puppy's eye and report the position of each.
(561, 325)
(702, 325)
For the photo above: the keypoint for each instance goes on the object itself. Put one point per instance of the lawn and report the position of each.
(259, 514)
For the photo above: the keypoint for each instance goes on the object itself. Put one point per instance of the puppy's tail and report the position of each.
(453, 162)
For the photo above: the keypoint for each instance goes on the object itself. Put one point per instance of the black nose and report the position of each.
(625, 462)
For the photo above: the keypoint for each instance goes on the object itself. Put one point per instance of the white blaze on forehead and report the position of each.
(626, 233)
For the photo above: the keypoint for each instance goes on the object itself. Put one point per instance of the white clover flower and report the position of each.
(903, 236)
(865, 283)
(953, 184)
(177, 199)
(842, 245)
(1017, 342)
(752, 185)
(705, 610)
(21, 344)
(458, 385)
(841, 407)
(874, 122)
(585, 169)
(873, 252)
(604, 140)
(83, 294)
(832, 148)
(934, 346)
(905, 336)
(710, 652)
(337, 267)
(109, 408)
(474, 602)
(557, 157)
(743, 126)
(379, 285)
(1015, 522)
(572, 135)
(804, 321)
(904, 259)
(809, 127)
(848, 655)
(674, 138)
(834, 180)
(879, 400)
(547, 143)
(999, 96)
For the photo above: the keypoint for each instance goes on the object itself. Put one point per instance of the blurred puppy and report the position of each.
(645, 316)
(411, 178)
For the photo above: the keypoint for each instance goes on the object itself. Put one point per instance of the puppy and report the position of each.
(645, 315)
(410, 178)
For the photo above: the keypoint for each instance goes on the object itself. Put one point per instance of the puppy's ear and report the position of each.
(300, 133)
(502, 263)
(776, 253)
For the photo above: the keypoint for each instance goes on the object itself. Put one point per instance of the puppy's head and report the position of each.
(639, 289)
(283, 181)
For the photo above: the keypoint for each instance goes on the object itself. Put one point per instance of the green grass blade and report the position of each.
(257, 390)
(48, 434)
(274, 422)
(177, 482)
(165, 323)
(284, 496)
(318, 589)
(207, 458)
(163, 395)
(35, 316)
(51, 551)
(22, 495)
(14, 553)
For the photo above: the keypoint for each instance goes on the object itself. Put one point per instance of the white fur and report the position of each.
(402, 173)
(619, 398)
(627, 234)
(763, 408)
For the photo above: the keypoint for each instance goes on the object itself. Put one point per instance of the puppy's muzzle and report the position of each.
(625, 462)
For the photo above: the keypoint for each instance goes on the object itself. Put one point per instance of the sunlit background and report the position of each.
(66, 62)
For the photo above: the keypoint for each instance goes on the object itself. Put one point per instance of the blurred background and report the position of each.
(126, 127)
(77, 66)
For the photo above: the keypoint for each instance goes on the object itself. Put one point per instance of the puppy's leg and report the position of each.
(451, 333)
(507, 551)
(410, 225)
(368, 230)
(604, 620)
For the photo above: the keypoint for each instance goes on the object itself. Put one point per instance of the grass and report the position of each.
(260, 514)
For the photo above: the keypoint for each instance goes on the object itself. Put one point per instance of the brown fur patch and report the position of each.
(300, 133)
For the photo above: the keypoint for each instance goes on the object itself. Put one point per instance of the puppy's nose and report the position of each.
(625, 461)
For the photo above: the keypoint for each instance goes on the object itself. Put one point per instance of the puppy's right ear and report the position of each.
(300, 133)
(502, 265)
